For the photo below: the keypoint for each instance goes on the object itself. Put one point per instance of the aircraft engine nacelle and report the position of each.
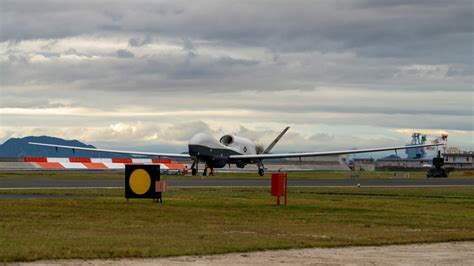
(241, 145)
(227, 140)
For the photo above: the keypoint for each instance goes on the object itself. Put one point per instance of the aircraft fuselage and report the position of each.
(215, 153)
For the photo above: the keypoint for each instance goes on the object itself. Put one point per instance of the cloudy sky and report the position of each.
(149, 74)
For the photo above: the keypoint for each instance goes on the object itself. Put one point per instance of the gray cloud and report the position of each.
(187, 44)
(388, 28)
(137, 42)
(122, 53)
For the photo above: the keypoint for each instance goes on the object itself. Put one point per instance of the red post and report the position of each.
(279, 186)
(286, 186)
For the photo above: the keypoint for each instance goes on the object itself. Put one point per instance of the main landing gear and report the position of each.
(261, 170)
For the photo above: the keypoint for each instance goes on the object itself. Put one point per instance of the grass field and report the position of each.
(223, 175)
(207, 221)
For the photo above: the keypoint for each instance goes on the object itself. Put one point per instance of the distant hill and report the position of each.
(19, 147)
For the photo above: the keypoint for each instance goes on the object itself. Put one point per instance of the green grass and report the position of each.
(208, 221)
(221, 175)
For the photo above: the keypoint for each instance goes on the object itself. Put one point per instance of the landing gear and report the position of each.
(261, 170)
(194, 167)
(208, 171)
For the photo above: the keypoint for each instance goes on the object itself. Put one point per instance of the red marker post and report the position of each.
(279, 186)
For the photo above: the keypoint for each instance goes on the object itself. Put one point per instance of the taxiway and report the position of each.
(70, 183)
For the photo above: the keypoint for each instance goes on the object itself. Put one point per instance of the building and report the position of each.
(364, 164)
(394, 162)
(457, 159)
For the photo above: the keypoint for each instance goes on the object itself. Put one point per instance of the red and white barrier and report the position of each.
(98, 163)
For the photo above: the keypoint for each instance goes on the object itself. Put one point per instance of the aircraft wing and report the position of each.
(171, 155)
(325, 153)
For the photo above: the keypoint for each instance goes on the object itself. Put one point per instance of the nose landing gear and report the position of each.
(208, 171)
(194, 168)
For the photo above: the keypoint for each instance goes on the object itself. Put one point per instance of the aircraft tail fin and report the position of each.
(270, 147)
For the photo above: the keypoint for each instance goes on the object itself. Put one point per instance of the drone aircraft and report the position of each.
(232, 149)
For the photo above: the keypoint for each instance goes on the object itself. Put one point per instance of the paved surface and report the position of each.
(55, 183)
(455, 253)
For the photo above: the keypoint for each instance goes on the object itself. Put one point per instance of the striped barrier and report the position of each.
(98, 163)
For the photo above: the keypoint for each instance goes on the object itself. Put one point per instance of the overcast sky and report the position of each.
(150, 74)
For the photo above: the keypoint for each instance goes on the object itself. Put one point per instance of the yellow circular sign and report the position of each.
(140, 181)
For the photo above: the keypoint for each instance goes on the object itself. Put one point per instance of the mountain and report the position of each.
(19, 147)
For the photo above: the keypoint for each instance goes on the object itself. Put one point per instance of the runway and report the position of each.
(69, 183)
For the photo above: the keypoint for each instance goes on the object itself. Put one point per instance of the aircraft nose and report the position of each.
(199, 139)
(202, 143)
(197, 142)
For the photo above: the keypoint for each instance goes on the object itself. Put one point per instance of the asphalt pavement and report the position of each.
(69, 183)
